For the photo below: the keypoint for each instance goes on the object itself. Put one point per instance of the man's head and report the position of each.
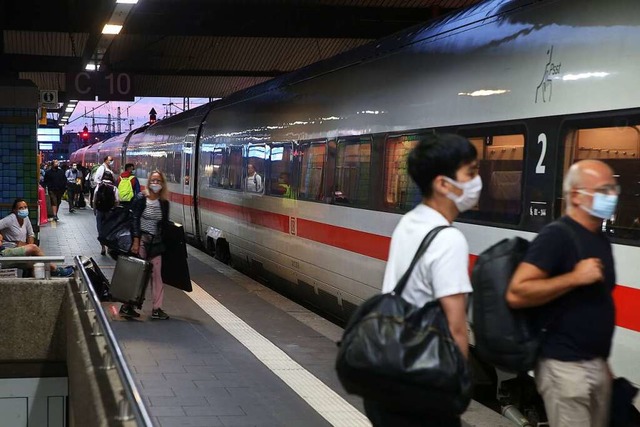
(56, 164)
(283, 178)
(74, 166)
(20, 208)
(129, 167)
(590, 188)
(251, 169)
(443, 166)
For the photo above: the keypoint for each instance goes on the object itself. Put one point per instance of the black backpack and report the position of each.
(506, 338)
(105, 198)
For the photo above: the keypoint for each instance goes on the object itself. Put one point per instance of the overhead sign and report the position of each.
(49, 99)
(88, 85)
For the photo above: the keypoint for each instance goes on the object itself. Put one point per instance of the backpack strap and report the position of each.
(572, 235)
(421, 250)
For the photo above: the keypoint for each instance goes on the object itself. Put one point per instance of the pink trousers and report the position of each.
(157, 286)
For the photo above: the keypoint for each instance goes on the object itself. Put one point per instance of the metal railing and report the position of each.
(130, 406)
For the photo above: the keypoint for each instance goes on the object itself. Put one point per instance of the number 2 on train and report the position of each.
(542, 139)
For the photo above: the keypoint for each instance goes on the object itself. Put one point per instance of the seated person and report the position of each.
(17, 238)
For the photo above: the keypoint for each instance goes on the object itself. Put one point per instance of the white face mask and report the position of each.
(470, 193)
(155, 187)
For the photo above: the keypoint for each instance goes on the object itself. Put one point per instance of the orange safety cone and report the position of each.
(42, 205)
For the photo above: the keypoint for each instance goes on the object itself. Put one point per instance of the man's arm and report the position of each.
(455, 308)
(530, 286)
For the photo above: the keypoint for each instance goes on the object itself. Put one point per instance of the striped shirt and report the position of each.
(151, 217)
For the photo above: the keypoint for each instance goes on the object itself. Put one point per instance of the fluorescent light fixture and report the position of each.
(90, 67)
(127, 1)
(581, 76)
(484, 92)
(111, 29)
(70, 108)
(73, 101)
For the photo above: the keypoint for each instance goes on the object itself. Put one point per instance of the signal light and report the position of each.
(84, 135)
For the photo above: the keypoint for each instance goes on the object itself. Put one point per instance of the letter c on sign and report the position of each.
(86, 76)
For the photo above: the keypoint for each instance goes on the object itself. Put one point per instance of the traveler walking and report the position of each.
(128, 184)
(150, 212)
(56, 183)
(445, 168)
(572, 283)
(72, 174)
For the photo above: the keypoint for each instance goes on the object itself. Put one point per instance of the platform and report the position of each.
(233, 353)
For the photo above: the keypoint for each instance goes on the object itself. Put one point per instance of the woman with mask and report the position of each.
(18, 239)
(150, 211)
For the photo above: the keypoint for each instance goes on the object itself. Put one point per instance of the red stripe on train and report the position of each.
(271, 220)
(376, 246)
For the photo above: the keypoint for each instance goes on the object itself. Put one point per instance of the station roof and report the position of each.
(193, 48)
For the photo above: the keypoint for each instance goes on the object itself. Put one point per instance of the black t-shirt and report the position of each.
(580, 323)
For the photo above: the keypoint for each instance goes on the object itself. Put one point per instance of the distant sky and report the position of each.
(138, 111)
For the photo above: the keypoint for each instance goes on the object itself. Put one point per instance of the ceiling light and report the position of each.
(111, 29)
(127, 1)
(69, 109)
(90, 67)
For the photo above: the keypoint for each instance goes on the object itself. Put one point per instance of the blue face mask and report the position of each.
(23, 213)
(603, 205)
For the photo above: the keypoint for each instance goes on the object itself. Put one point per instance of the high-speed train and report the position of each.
(535, 85)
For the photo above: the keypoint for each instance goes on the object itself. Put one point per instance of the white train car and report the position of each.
(534, 85)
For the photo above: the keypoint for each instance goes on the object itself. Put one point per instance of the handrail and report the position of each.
(132, 405)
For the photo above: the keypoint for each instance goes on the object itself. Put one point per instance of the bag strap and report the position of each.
(421, 250)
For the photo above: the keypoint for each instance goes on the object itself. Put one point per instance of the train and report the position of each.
(534, 85)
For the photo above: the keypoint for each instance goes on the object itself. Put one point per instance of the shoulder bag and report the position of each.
(403, 357)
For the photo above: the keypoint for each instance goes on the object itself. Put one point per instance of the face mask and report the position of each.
(603, 205)
(75, 167)
(155, 187)
(23, 213)
(111, 163)
(470, 193)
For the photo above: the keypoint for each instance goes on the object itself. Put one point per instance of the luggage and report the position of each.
(175, 269)
(506, 338)
(130, 279)
(116, 232)
(81, 203)
(98, 280)
(402, 356)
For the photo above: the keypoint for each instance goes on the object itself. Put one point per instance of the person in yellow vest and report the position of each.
(128, 184)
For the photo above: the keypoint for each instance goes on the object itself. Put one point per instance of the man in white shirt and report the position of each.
(254, 181)
(445, 168)
(106, 165)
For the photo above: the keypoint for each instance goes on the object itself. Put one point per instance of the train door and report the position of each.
(186, 173)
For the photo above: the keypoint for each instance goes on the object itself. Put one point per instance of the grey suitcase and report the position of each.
(130, 279)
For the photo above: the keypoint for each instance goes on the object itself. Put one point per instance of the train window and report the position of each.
(400, 192)
(352, 176)
(500, 161)
(312, 158)
(234, 169)
(213, 165)
(619, 147)
(255, 170)
(281, 163)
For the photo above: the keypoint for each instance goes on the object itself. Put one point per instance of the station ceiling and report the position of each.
(193, 48)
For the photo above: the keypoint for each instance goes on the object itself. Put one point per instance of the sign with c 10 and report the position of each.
(88, 85)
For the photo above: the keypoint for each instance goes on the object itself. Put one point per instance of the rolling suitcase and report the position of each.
(130, 279)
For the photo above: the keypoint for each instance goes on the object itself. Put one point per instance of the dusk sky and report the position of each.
(138, 111)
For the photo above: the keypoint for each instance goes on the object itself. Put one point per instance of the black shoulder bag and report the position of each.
(402, 356)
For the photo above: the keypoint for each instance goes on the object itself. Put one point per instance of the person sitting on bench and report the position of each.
(17, 238)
